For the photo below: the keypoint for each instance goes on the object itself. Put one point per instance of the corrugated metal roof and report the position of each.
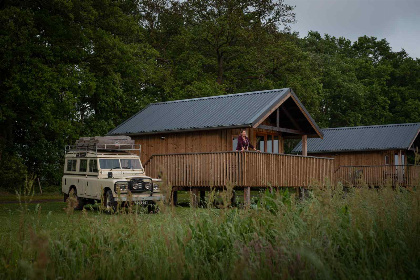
(363, 138)
(233, 110)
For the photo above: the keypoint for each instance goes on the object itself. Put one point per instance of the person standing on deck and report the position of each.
(243, 142)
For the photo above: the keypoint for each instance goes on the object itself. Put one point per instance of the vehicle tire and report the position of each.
(109, 201)
(153, 208)
(80, 202)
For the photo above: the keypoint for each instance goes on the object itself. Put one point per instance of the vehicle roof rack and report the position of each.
(98, 144)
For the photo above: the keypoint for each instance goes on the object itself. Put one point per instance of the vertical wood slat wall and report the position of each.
(380, 175)
(242, 169)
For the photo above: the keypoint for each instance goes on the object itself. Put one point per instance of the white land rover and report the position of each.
(102, 169)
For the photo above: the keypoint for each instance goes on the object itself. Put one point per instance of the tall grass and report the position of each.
(359, 234)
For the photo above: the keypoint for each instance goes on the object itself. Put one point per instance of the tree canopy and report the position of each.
(72, 68)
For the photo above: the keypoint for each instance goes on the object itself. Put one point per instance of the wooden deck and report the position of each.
(241, 169)
(380, 175)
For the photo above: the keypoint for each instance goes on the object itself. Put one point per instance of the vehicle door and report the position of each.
(92, 189)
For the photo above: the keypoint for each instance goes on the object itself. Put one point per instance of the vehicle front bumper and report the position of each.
(139, 197)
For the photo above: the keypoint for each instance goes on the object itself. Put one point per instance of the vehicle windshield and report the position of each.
(109, 163)
(130, 164)
(115, 163)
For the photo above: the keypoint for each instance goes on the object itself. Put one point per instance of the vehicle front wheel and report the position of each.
(109, 202)
(78, 201)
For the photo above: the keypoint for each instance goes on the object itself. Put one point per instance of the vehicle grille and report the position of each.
(140, 185)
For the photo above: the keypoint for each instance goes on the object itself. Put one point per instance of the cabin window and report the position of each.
(234, 143)
(276, 145)
(83, 165)
(260, 143)
(71, 164)
(93, 165)
(387, 160)
(268, 143)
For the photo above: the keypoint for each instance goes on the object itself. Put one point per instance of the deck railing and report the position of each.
(242, 169)
(380, 175)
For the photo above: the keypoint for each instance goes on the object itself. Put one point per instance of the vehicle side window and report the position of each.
(83, 165)
(71, 164)
(93, 165)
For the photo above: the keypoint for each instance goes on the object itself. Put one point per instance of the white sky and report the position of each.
(398, 21)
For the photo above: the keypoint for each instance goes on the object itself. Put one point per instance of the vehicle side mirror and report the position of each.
(109, 174)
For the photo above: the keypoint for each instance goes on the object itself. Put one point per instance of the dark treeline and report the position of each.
(73, 68)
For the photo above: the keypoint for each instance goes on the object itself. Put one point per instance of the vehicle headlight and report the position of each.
(137, 186)
(121, 187)
(148, 186)
(155, 187)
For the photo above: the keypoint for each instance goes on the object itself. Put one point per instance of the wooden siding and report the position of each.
(242, 169)
(376, 158)
(194, 142)
(393, 175)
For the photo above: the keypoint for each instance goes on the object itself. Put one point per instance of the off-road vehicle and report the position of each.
(107, 169)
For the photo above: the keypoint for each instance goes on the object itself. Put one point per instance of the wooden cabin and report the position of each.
(192, 142)
(373, 155)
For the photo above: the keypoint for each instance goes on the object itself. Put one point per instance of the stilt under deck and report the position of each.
(242, 170)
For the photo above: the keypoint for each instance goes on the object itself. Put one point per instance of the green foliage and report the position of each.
(12, 173)
(362, 233)
(72, 68)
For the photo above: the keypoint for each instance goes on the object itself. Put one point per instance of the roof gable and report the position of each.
(364, 138)
(232, 110)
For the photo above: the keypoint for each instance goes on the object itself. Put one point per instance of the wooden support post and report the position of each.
(202, 202)
(233, 198)
(194, 197)
(305, 145)
(400, 168)
(301, 192)
(247, 196)
(174, 198)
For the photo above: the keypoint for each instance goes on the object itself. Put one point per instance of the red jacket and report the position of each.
(243, 143)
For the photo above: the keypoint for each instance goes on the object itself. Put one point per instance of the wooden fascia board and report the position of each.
(183, 130)
(266, 115)
(280, 129)
(414, 139)
(308, 118)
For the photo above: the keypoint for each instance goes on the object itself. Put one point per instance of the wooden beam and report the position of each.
(202, 202)
(174, 198)
(304, 145)
(297, 136)
(400, 168)
(194, 197)
(306, 115)
(290, 118)
(280, 129)
(247, 197)
(278, 118)
(260, 120)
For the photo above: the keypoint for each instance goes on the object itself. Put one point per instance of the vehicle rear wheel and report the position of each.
(109, 201)
(79, 202)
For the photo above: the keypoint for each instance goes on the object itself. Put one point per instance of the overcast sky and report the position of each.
(398, 21)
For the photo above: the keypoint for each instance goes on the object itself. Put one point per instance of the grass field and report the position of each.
(361, 234)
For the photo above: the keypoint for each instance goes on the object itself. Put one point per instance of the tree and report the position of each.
(69, 68)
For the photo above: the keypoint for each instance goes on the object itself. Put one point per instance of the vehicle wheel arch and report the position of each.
(72, 187)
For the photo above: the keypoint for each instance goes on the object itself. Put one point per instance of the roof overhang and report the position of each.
(184, 130)
(290, 95)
